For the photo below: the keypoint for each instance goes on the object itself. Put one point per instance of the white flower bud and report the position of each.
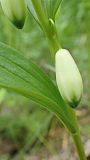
(15, 10)
(68, 78)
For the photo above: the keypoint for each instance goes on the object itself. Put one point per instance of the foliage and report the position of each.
(72, 36)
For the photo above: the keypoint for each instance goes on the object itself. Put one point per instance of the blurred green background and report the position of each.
(28, 132)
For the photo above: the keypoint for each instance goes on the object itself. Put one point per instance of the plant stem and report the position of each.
(76, 136)
(79, 146)
(44, 21)
(41, 16)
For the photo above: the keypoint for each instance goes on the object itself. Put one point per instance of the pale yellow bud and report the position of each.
(68, 78)
(15, 10)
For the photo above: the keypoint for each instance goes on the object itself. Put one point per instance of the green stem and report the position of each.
(76, 136)
(79, 146)
(44, 21)
(41, 16)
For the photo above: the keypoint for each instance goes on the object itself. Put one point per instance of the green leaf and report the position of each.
(22, 76)
(51, 7)
(31, 9)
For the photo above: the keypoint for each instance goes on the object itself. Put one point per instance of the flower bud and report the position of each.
(68, 78)
(15, 10)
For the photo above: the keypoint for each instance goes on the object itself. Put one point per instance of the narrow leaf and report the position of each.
(22, 76)
(31, 9)
(51, 7)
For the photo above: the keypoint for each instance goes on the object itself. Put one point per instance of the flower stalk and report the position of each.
(79, 146)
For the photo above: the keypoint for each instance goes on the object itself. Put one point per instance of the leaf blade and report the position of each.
(31, 9)
(22, 76)
(51, 7)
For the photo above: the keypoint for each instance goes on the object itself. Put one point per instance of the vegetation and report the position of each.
(25, 125)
